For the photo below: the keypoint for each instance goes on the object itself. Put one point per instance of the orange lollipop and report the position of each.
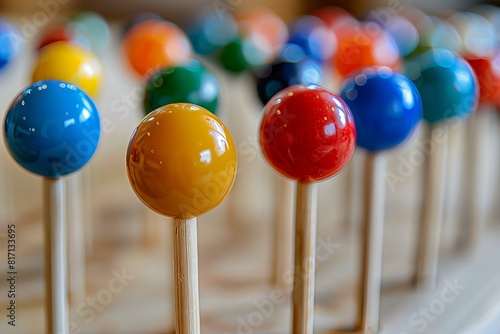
(365, 45)
(152, 45)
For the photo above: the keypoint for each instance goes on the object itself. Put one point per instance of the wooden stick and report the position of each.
(355, 191)
(372, 236)
(88, 219)
(305, 255)
(76, 236)
(433, 206)
(283, 242)
(187, 300)
(479, 126)
(55, 256)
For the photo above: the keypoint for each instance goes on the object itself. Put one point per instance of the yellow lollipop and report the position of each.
(69, 62)
(181, 163)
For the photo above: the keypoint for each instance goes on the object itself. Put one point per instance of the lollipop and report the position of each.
(52, 129)
(307, 134)
(386, 108)
(449, 90)
(314, 37)
(153, 44)
(364, 45)
(211, 32)
(71, 63)
(191, 83)
(181, 162)
(487, 70)
(92, 27)
(478, 36)
(480, 129)
(10, 42)
(60, 32)
(292, 67)
(403, 31)
(261, 35)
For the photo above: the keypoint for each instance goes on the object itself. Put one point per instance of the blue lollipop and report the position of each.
(387, 108)
(290, 68)
(10, 42)
(52, 129)
(449, 91)
(313, 36)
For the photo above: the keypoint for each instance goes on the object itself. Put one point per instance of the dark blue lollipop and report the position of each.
(290, 68)
(386, 107)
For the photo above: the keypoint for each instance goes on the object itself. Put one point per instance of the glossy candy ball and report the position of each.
(52, 128)
(152, 45)
(488, 75)
(181, 160)
(446, 83)
(242, 54)
(61, 32)
(291, 68)
(364, 45)
(307, 133)
(11, 42)
(386, 107)
(211, 32)
(191, 83)
(71, 63)
(401, 29)
(94, 28)
(433, 32)
(313, 36)
(265, 28)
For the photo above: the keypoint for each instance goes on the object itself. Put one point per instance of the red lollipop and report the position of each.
(488, 74)
(481, 128)
(60, 32)
(307, 134)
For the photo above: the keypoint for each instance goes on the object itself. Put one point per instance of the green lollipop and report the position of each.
(190, 83)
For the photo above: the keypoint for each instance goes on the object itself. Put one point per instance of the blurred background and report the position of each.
(180, 10)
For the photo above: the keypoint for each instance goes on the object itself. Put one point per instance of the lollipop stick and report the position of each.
(305, 254)
(355, 191)
(87, 210)
(373, 233)
(283, 242)
(478, 179)
(55, 256)
(433, 207)
(187, 300)
(76, 233)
